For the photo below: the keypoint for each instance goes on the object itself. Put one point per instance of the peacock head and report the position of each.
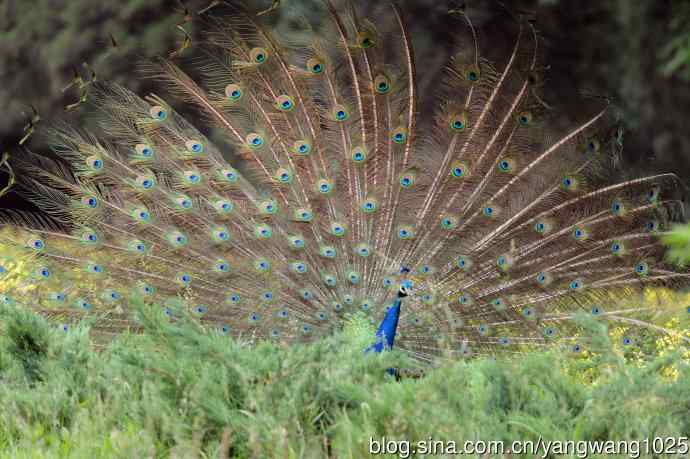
(405, 288)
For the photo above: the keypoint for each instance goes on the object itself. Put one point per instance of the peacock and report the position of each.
(482, 227)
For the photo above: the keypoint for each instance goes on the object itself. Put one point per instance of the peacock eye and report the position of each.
(337, 229)
(325, 186)
(302, 147)
(146, 182)
(592, 145)
(642, 268)
(359, 154)
(254, 140)
(399, 135)
(458, 122)
(315, 66)
(472, 73)
(258, 55)
(340, 113)
(382, 84)
(524, 118)
(95, 163)
(263, 232)
(90, 201)
(459, 169)
(229, 175)
(330, 280)
(652, 225)
(463, 263)
(194, 146)
(262, 265)
(285, 103)
(408, 178)
(283, 175)
(37, 244)
(365, 39)
(303, 215)
(158, 113)
(233, 92)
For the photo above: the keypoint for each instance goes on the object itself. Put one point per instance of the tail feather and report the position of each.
(501, 223)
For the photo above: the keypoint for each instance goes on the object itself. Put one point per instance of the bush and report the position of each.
(179, 390)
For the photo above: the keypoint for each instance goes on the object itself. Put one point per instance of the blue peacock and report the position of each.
(476, 229)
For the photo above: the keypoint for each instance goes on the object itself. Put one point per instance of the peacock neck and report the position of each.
(385, 335)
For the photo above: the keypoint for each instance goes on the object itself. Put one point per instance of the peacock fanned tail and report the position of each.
(500, 225)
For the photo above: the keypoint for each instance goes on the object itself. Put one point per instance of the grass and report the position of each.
(178, 390)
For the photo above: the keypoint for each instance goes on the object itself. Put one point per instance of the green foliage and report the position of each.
(678, 242)
(180, 390)
(676, 54)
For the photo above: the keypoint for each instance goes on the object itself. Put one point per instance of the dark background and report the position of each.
(636, 52)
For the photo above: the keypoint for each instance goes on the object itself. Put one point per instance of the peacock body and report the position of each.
(498, 225)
